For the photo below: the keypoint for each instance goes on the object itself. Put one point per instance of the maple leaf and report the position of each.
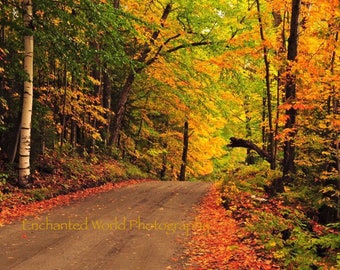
(221, 248)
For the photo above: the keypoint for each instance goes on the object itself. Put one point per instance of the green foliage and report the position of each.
(134, 172)
(75, 167)
(205, 66)
(282, 225)
(3, 179)
(3, 108)
(38, 194)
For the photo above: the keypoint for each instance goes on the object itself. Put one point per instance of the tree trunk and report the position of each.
(333, 99)
(270, 146)
(250, 158)
(162, 173)
(116, 4)
(63, 118)
(107, 88)
(264, 116)
(185, 151)
(280, 83)
(290, 95)
(125, 92)
(73, 135)
(120, 111)
(237, 142)
(26, 117)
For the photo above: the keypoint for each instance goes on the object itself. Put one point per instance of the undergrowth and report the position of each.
(281, 225)
(56, 174)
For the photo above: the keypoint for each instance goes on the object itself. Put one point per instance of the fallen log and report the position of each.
(237, 142)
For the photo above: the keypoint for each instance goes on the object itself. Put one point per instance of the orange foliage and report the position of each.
(17, 211)
(222, 247)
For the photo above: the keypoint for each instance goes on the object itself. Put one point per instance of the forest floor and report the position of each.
(251, 230)
(226, 225)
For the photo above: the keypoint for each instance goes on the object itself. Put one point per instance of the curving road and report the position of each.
(143, 226)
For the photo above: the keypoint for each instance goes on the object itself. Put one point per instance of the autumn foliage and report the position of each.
(248, 230)
(226, 244)
(116, 81)
(14, 208)
(61, 179)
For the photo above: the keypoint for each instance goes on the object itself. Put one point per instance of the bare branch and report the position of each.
(237, 142)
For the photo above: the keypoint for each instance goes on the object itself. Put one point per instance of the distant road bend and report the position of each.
(135, 227)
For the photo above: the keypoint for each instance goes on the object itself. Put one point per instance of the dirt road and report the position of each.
(137, 227)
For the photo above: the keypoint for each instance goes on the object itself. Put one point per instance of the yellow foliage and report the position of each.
(93, 80)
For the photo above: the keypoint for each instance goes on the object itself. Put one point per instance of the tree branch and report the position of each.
(171, 38)
(154, 58)
(237, 142)
(182, 46)
(194, 44)
(155, 35)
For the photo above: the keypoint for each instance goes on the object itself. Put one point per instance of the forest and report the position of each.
(240, 92)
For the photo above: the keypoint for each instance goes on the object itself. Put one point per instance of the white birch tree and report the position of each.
(26, 117)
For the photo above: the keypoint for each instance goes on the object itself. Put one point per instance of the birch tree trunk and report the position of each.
(26, 117)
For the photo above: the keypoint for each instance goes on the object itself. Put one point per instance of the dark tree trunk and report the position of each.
(333, 107)
(263, 133)
(63, 112)
(116, 4)
(107, 89)
(125, 92)
(120, 110)
(185, 151)
(277, 184)
(270, 147)
(290, 95)
(97, 74)
(237, 142)
(336, 110)
(73, 134)
(162, 173)
(280, 83)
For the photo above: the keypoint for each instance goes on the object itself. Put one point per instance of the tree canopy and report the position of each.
(122, 78)
(177, 89)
